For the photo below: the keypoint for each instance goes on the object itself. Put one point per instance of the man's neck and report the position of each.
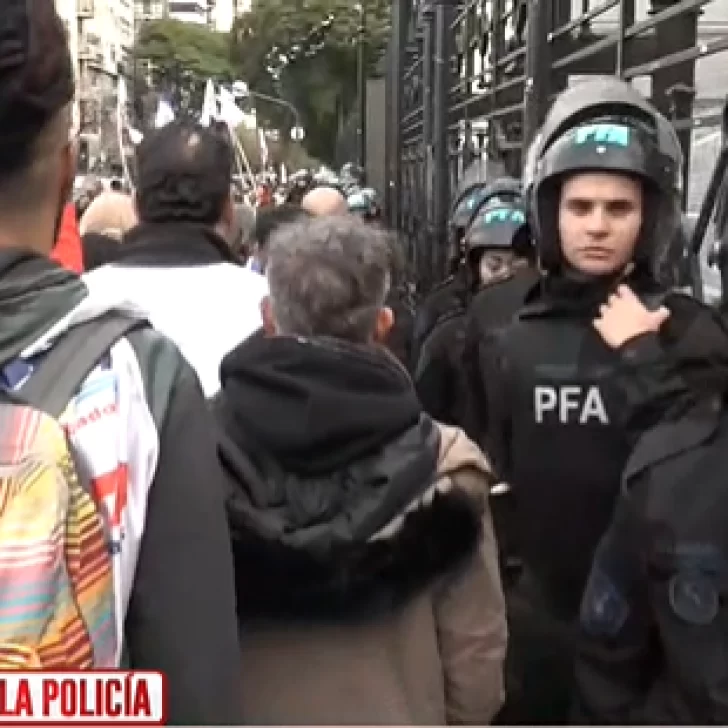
(30, 235)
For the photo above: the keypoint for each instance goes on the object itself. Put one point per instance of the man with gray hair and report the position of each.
(362, 538)
(330, 278)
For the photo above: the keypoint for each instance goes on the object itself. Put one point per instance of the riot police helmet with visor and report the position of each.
(606, 126)
(501, 220)
(465, 206)
(499, 234)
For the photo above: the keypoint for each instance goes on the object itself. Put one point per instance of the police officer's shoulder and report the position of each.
(535, 303)
(694, 326)
(680, 302)
(447, 295)
(441, 285)
(449, 318)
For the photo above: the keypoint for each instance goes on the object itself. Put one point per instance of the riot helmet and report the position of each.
(365, 203)
(605, 125)
(499, 233)
(465, 206)
(327, 178)
(501, 221)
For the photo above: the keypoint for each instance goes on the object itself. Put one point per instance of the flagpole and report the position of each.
(120, 103)
(241, 155)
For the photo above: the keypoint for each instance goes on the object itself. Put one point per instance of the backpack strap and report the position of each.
(64, 368)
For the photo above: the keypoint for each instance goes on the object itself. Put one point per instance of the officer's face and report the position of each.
(494, 265)
(600, 216)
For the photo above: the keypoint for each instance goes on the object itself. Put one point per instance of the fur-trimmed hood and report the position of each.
(359, 535)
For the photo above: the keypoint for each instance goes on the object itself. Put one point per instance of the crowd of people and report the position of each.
(256, 466)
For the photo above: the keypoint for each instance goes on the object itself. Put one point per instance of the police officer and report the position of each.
(492, 243)
(364, 203)
(495, 304)
(603, 192)
(453, 293)
(653, 620)
(512, 272)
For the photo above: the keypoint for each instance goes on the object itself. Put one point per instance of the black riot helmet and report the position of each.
(501, 221)
(465, 206)
(605, 125)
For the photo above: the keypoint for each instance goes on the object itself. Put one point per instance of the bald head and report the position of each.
(324, 201)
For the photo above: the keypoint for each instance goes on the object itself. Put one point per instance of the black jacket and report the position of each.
(438, 376)
(443, 376)
(653, 619)
(555, 429)
(181, 615)
(493, 308)
(326, 446)
(451, 295)
(98, 250)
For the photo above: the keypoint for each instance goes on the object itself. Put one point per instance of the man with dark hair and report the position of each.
(267, 221)
(184, 173)
(138, 423)
(177, 263)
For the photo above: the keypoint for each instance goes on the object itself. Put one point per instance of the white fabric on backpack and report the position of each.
(112, 428)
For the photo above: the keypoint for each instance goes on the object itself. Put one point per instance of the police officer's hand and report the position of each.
(624, 316)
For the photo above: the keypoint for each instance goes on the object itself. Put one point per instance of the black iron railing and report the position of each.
(471, 80)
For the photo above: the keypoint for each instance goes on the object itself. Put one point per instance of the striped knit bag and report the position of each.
(56, 583)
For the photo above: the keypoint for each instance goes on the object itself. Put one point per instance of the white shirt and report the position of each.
(206, 310)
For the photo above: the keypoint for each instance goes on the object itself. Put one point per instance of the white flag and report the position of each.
(165, 114)
(230, 113)
(209, 104)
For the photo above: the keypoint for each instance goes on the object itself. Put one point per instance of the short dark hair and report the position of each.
(269, 219)
(184, 173)
(36, 79)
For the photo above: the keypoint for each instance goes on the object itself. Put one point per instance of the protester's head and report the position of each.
(36, 143)
(323, 201)
(184, 174)
(111, 214)
(270, 219)
(329, 277)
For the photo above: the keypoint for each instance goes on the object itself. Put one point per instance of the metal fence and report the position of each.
(471, 80)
